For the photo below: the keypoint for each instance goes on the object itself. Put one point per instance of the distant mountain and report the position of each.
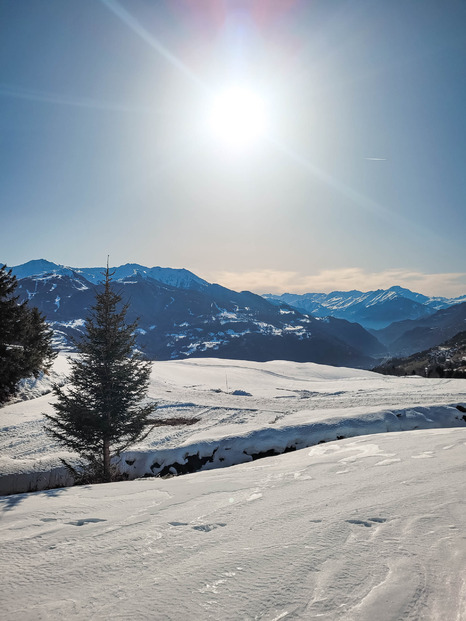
(371, 309)
(176, 277)
(36, 267)
(404, 338)
(181, 315)
(445, 360)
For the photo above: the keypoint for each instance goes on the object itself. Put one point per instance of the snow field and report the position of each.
(361, 529)
(244, 409)
(368, 527)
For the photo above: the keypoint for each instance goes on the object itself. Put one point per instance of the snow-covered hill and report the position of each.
(366, 527)
(244, 409)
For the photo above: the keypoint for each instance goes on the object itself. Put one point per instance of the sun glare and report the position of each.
(238, 118)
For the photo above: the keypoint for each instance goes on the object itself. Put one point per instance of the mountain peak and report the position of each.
(181, 278)
(35, 267)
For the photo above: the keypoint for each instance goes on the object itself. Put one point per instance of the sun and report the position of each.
(238, 118)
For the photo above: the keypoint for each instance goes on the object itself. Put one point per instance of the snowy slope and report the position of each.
(244, 408)
(363, 529)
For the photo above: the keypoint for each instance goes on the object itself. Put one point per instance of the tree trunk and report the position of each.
(106, 455)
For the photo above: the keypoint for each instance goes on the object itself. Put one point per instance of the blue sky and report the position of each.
(357, 183)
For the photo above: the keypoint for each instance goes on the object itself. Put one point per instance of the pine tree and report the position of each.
(101, 412)
(25, 338)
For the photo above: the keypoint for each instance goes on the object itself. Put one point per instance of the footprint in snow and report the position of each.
(206, 528)
(370, 522)
(85, 521)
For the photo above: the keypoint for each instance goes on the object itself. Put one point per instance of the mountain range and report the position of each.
(372, 309)
(181, 315)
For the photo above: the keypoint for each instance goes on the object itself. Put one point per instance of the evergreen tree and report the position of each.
(101, 412)
(25, 339)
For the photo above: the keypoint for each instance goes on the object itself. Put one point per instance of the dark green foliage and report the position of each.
(101, 412)
(25, 339)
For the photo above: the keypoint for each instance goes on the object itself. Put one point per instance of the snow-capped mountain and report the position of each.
(195, 318)
(372, 309)
(175, 277)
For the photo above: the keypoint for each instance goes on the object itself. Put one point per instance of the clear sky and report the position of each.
(356, 180)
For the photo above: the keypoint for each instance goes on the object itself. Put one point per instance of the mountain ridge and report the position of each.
(182, 278)
(195, 318)
(407, 337)
(374, 310)
(182, 315)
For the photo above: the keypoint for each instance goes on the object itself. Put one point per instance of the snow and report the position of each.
(367, 527)
(74, 323)
(243, 409)
(226, 317)
(33, 387)
(31, 294)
